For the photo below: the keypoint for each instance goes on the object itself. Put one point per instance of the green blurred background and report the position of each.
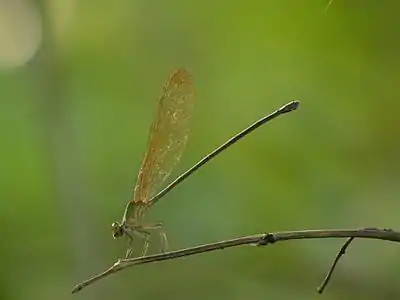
(79, 82)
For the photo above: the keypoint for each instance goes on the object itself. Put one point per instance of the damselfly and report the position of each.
(167, 140)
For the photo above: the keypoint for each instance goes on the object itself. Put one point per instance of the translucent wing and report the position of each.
(168, 135)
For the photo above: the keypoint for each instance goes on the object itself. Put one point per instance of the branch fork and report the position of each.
(259, 240)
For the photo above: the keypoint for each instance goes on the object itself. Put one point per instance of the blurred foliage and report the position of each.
(79, 82)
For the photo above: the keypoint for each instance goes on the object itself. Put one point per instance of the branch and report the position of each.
(341, 252)
(328, 276)
(257, 240)
(329, 4)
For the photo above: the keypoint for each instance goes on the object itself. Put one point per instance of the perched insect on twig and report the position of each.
(168, 137)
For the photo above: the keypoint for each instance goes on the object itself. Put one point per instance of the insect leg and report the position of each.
(146, 242)
(164, 241)
(145, 235)
(130, 243)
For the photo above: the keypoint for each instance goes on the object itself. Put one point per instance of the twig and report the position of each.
(328, 276)
(329, 4)
(257, 240)
(342, 252)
